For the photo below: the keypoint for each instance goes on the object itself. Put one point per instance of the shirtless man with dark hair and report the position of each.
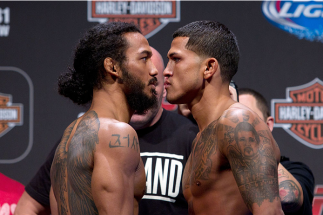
(222, 175)
(97, 167)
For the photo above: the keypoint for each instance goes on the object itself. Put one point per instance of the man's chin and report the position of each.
(173, 100)
(140, 114)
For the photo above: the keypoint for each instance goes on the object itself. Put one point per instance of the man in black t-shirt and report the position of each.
(296, 180)
(165, 140)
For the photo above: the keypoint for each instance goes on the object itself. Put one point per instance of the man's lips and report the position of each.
(153, 81)
(167, 84)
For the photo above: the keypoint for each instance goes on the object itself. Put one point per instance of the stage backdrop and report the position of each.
(281, 57)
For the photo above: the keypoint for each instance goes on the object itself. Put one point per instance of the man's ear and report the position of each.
(111, 67)
(211, 66)
(270, 123)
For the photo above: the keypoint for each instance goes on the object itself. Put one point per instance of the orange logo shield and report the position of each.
(10, 114)
(301, 113)
(149, 16)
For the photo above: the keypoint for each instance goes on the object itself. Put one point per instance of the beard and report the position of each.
(137, 99)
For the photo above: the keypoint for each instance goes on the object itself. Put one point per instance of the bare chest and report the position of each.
(203, 166)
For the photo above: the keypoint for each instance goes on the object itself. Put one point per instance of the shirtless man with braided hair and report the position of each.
(97, 167)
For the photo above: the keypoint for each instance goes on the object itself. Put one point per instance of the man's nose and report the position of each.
(153, 71)
(168, 71)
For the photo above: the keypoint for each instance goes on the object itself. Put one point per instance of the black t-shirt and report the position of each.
(165, 148)
(39, 186)
(168, 142)
(305, 177)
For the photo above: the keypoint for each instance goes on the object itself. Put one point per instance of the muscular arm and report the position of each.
(305, 178)
(253, 155)
(35, 200)
(290, 191)
(53, 202)
(116, 160)
(29, 206)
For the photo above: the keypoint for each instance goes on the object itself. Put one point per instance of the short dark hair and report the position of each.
(213, 39)
(98, 43)
(260, 100)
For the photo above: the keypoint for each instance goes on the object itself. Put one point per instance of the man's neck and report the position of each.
(111, 104)
(210, 108)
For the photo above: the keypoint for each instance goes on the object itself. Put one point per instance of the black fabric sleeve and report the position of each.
(305, 177)
(39, 186)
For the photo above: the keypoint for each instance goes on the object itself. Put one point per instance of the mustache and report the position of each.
(153, 81)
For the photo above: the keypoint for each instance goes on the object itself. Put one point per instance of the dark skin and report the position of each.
(97, 167)
(246, 167)
(74, 177)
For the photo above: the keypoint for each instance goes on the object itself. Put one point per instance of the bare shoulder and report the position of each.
(239, 124)
(239, 113)
(246, 142)
(114, 134)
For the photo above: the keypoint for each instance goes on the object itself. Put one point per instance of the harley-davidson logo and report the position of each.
(149, 16)
(301, 113)
(10, 114)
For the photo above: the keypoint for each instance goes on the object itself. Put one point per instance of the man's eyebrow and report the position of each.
(149, 53)
(171, 55)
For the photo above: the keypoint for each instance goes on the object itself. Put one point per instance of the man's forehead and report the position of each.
(137, 43)
(178, 45)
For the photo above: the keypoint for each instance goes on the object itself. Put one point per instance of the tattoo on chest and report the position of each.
(205, 147)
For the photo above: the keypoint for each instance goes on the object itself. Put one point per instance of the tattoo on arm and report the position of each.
(80, 165)
(232, 117)
(253, 164)
(116, 142)
(245, 117)
(135, 144)
(290, 195)
(282, 174)
(255, 122)
(58, 171)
